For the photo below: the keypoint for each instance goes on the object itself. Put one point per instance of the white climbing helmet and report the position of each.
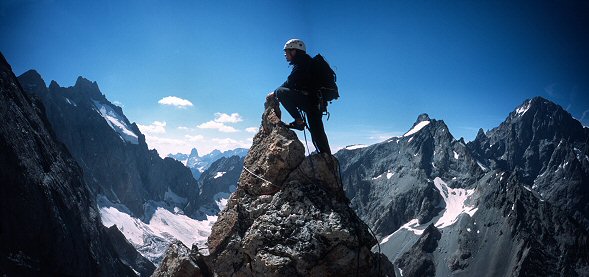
(295, 43)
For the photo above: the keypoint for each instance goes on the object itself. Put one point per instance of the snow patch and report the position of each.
(388, 173)
(481, 166)
(455, 203)
(523, 109)
(417, 128)
(116, 122)
(456, 156)
(455, 206)
(70, 102)
(377, 177)
(355, 146)
(219, 174)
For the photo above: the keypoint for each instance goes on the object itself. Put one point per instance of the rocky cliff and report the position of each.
(510, 203)
(111, 150)
(50, 224)
(289, 216)
(547, 148)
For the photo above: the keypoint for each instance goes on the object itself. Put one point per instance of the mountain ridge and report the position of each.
(483, 197)
(47, 209)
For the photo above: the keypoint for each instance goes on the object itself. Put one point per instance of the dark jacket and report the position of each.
(300, 77)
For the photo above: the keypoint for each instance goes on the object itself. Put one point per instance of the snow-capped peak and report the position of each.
(117, 122)
(417, 128)
(523, 109)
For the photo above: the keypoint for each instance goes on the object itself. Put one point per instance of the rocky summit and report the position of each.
(288, 217)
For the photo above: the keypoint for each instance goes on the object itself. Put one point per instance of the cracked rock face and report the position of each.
(275, 152)
(297, 224)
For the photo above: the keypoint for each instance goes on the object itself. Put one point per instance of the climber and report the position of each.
(297, 95)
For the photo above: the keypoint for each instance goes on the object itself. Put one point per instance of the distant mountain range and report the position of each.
(199, 164)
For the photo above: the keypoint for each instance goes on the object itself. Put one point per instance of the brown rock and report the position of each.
(177, 262)
(275, 152)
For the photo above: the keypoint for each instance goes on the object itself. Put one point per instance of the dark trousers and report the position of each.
(293, 101)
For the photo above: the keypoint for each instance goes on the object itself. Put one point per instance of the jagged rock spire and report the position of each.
(289, 215)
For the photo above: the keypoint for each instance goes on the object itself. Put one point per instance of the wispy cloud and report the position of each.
(219, 126)
(175, 101)
(551, 90)
(252, 130)
(157, 127)
(226, 118)
(378, 136)
(229, 143)
(584, 114)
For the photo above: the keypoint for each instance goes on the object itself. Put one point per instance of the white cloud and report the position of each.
(584, 114)
(194, 138)
(175, 101)
(252, 129)
(157, 127)
(225, 118)
(221, 127)
(165, 146)
(224, 144)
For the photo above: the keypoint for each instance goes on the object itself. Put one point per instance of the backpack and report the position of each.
(324, 82)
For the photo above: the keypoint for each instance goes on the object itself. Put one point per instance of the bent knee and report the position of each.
(281, 91)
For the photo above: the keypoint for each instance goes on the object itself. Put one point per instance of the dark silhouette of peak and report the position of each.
(89, 88)
(481, 134)
(33, 79)
(82, 82)
(539, 118)
(53, 86)
(423, 117)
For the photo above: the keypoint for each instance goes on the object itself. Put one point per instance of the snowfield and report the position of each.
(455, 205)
(116, 122)
(164, 226)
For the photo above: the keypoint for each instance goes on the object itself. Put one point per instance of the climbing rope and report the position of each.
(257, 176)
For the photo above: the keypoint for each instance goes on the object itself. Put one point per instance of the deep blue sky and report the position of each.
(468, 63)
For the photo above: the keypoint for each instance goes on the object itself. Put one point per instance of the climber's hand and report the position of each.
(270, 96)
